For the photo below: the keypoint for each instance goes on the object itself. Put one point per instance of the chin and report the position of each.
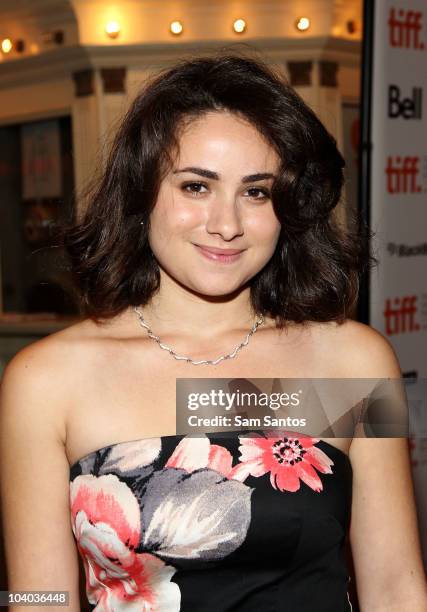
(215, 290)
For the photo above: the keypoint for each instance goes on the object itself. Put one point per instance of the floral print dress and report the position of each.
(252, 521)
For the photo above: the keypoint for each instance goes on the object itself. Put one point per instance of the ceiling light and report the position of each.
(239, 26)
(6, 45)
(176, 27)
(112, 29)
(302, 24)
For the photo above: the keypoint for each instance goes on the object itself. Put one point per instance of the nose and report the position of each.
(225, 219)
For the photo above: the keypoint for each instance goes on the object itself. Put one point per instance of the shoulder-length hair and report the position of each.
(314, 273)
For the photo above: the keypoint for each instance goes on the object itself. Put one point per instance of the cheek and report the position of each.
(265, 228)
(175, 218)
(187, 217)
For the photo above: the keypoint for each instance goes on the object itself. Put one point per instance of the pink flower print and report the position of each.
(105, 518)
(194, 453)
(288, 457)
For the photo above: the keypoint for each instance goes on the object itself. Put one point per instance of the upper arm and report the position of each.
(34, 476)
(384, 533)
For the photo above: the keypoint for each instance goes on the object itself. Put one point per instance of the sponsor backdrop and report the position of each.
(397, 202)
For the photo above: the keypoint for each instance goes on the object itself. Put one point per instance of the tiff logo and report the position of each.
(399, 315)
(404, 28)
(402, 174)
(408, 108)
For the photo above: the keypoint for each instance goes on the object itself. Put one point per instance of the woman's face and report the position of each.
(218, 195)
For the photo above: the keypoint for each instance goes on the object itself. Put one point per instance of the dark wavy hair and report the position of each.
(314, 273)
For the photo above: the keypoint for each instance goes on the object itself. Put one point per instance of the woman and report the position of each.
(210, 232)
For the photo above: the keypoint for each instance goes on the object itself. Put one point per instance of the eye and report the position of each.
(265, 194)
(193, 188)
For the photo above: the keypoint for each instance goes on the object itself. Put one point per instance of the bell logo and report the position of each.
(404, 29)
(408, 108)
(399, 315)
(402, 174)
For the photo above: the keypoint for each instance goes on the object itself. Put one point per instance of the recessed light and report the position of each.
(6, 45)
(176, 27)
(112, 28)
(302, 24)
(239, 26)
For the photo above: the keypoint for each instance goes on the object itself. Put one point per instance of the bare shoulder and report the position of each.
(360, 350)
(37, 383)
(46, 357)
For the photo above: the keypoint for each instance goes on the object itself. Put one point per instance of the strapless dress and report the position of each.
(237, 521)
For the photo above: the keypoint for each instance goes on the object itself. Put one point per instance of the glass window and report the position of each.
(36, 192)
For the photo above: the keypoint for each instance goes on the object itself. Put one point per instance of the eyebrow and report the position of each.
(215, 176)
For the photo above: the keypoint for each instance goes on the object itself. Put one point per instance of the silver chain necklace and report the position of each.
(258, 322)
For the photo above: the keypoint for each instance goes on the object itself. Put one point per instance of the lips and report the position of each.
(217, 251)
(225, 256)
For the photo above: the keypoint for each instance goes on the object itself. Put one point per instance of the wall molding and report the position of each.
(63, 62)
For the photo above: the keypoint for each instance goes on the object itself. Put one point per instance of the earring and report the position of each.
(142, 222)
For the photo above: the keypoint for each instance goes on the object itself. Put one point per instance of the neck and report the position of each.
(181, 313)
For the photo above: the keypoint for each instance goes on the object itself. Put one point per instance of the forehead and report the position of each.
(224, 138)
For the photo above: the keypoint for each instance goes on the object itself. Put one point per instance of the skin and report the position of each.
(224, 213)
